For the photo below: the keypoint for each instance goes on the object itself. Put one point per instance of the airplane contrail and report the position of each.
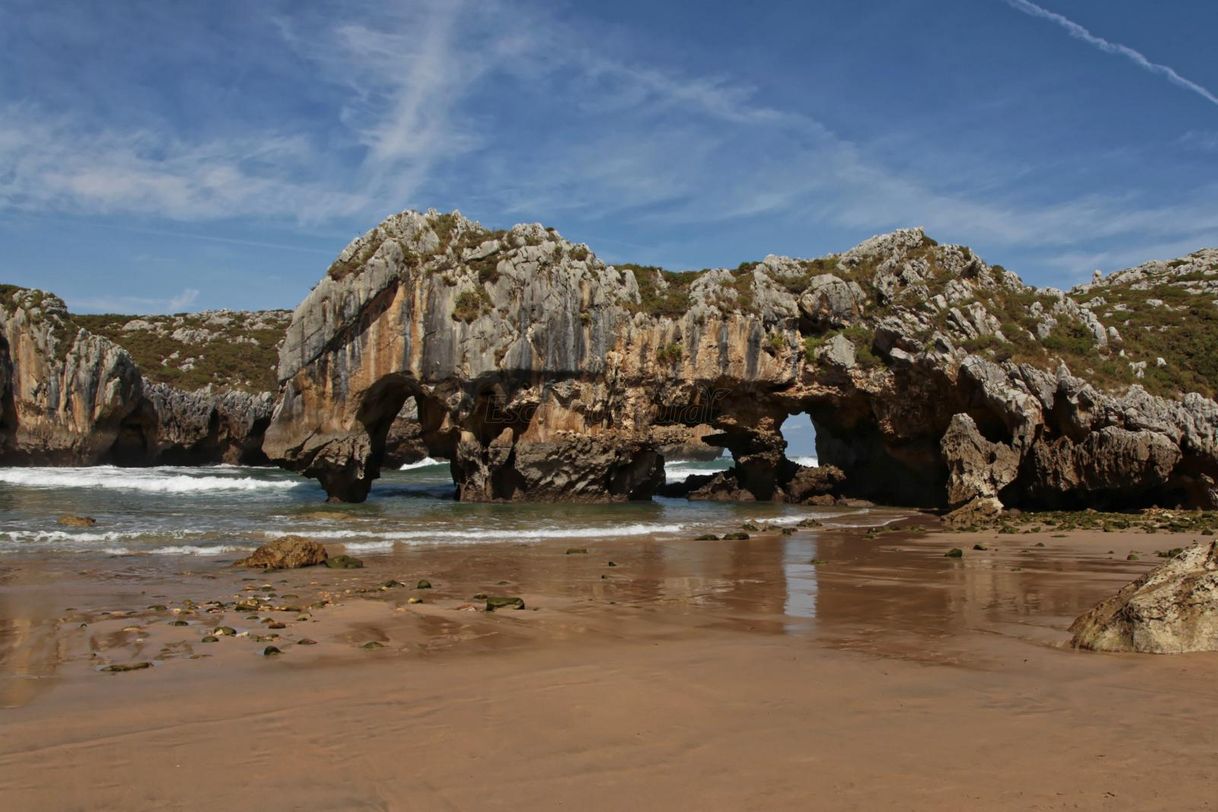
(1079, 32)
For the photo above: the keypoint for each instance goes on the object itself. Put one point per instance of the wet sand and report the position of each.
(823, 670)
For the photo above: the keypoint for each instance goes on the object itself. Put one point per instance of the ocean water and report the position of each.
(229, 510)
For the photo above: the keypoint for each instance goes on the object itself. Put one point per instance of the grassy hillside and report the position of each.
(231, 350)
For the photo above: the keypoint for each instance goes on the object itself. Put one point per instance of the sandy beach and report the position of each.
(723, 675)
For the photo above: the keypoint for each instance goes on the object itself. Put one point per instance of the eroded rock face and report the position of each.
(1171, 610)
(67, 394)
(543, 373)
(69, 397)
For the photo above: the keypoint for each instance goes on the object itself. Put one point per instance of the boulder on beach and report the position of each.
(289, 552)
(77, 521)
(978, 511)
(1171, 610)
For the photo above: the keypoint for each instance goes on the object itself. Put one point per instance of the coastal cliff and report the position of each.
(932, 377)
(71, 395)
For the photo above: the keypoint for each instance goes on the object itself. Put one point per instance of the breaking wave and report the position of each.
(482, 534)
(426, 462)
(144, 480)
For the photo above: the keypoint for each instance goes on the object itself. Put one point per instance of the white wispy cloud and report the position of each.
(57, 163)
(1137, 57)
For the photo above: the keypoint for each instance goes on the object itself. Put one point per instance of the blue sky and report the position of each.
(179, 155)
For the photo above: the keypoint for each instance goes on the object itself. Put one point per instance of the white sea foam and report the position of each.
(481, 534)
(426, 462)
(184, 549)
(368, 546)
(680, 470)
(59, 536)
(679, 473)
(145, 480)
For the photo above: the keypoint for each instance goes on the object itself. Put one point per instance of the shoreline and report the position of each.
(885, 672)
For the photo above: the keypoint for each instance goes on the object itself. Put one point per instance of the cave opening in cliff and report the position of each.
(904, 471)
(134, 438)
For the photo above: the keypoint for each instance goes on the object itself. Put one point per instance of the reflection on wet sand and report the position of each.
(890, 595)
(29, 646)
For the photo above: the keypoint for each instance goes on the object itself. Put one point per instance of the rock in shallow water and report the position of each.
(289, 552)
(343, 562)
(1171, 610)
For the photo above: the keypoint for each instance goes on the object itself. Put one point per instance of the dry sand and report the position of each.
(713, 675)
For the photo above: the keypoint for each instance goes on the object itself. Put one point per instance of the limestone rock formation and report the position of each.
(1171, 610)
(71, 397)
(932, 378)
(679, 442)
(206, 427)
(67, 395)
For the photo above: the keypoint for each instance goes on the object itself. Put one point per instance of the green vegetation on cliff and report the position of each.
(229, 350)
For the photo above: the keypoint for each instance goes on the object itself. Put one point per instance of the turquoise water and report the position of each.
(229, 510)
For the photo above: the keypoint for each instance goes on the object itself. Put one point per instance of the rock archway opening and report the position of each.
(799, 432)
(876, 466)
(398, 418)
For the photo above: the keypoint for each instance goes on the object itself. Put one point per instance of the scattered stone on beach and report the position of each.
(178, 623)
(611, 564)
(500, 602)
(481, 596)
(305, 641)
(1131, 557)
(77, 521)
(980, 547)
(414, 600)
(423, 584)
(271, 651)
(289, 552)
(372, 645)
(224, 631)
(751, 527)
(158, 607)
(392, 584)
(810, 523)
(706, 537)
(120, 667)
(1172, 609)
(211, 638)
(977, 511)
(735, 536)
(954, 552)
(787, 531)
(343, 562)
(1172, 553)
(277, 625)
(577, 551)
